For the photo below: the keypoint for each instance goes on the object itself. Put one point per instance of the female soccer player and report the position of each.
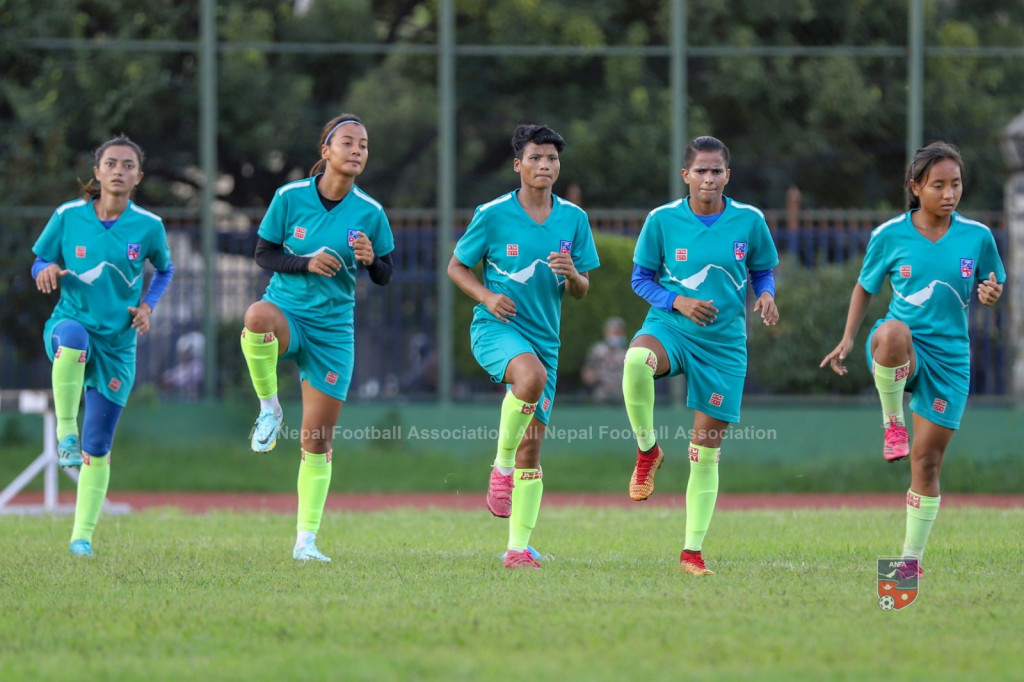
(94, 249)
(932, 256)
(691, 263)
(535, 247)
(313, 236)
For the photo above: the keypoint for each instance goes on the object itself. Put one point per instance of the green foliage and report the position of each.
(812, 303)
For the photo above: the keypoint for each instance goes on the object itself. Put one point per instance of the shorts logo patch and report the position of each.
(904, 271)
(114, 384)
(331, 378)
(300, 232)
(134, 250)
(681, 254)
(565, 246)
(739, 250)
(694, 454)
(353, 235)
(966, 267)
(913, 500)
(901, 373)
(511, 249)
(939, 405)
(79, 252)
(528, 408)
(531, 475)
(716, 399)
(546, 405)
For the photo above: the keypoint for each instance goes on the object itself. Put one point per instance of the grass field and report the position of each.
(421, 596)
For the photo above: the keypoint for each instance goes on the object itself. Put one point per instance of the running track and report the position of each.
(284, 503)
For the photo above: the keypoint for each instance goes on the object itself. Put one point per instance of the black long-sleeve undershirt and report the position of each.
(271, 256)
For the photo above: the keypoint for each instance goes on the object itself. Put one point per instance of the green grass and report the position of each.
(420, 595)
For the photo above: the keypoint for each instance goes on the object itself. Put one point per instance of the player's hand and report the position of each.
(836, 357)
(140, 317)
(701, 312)
(500, 305)
(48, 278)
(769, 311)
(324, 264)
(363, 249)
(561, 264)
(989, 290)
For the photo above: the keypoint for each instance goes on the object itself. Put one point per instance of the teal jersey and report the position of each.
(515, 249)
(105, 266)
(708, 263)
(299, 222)
(932, 282)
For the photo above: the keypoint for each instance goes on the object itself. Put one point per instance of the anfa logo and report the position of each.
(79, 252)
(565, 246)
(134, 250)
(939, 405)
(511, 249)
(529, 408)
(966, 267)
(331, 378)
(904, 271)
(694, 454)
(739, 249)
(300, 232)
(353, 235)
(114, 384)
(897, 583)
(716, 399)
(681, 254)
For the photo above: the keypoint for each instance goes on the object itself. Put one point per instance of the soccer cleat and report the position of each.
(641, 485)
(897, 442)
(499, 494)
(911, 569)
(309, 552)
(693, 563)
(264, 434)
(80, 548)
(534, 553)
(519, 558)
(69, 452)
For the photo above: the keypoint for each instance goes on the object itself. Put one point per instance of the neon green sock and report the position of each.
(526, 494)
(638, 392)
(701, 494)
(68, 376)
(314, 482)
(890, 390)
(93, 480)
(921, 513)
(515, 418)
(260, 351)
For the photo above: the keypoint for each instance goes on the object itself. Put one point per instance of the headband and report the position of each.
(327, 140)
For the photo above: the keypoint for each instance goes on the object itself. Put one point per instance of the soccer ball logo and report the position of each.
(886, 602)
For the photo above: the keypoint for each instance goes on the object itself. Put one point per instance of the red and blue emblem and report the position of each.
(966, 268)
(739, 249)
(565, 246)
(134, 250)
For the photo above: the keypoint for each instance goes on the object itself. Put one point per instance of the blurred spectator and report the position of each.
(574, 193)
(187, 376)
(602, 371)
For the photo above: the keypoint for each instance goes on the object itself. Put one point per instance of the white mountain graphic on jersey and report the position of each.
(93, 274)
(521, 276)
(922, 296)
(694, 281)
(322, 249)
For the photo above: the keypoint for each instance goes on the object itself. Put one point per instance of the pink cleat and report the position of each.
(897, 442)
(693, 563)
(520, 558)
(499, 494)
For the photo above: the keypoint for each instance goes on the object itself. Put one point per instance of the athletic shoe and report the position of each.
(641, 485)
(897, 442)
(519, 558)
(911, 569)
(69, 452)
(264, 434)
(309, 552)
(80, 548)
(693, 563)
(534, 553)
(499, 494)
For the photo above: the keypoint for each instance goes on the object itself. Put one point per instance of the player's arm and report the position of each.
(576, 283)
(47, 274)
(271, 256)
(859, 301)
(499, 305)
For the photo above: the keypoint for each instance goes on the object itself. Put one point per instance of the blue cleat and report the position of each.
(309, 552)
(80, 548)
(69, 452)
(264, 433)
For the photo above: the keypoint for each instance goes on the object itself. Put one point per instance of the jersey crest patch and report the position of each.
(966, 267)
(353, 235)
(739, 249)
(565, 246)
(134, 250)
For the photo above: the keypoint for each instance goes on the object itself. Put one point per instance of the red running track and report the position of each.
(284, 503)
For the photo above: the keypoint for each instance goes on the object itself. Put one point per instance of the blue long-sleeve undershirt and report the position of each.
(157, 286)
(645, 284)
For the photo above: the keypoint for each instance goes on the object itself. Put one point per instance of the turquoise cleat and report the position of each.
(264, 433)
(69, 452)
(80, 548)
(309, 552)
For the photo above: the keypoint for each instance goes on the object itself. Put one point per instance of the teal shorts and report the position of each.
(932, 397)
(714, 392)
(108, 368)
(325, 358)
(494, 345)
